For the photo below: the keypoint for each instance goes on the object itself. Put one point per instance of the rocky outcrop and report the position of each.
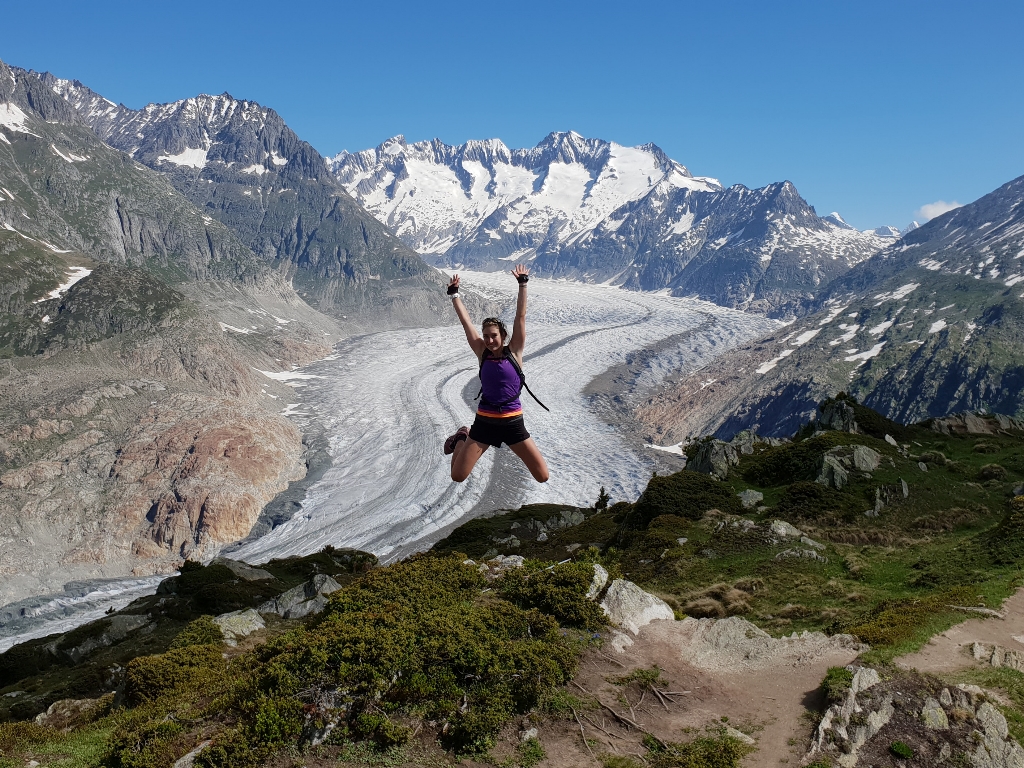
(303, 600)
(715, 457)
(104, 633)
(975, 424)
(951, 726)
(734, 643)
(144, 478)
(837, 464)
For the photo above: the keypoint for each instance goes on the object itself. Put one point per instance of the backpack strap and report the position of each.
(507, 355)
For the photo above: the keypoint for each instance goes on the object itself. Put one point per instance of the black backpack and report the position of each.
(507, 355)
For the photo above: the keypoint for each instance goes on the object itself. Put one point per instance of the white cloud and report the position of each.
(931, 210)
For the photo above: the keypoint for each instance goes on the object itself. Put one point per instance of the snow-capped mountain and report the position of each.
(239, 162)
(518, 201)
(598, 211)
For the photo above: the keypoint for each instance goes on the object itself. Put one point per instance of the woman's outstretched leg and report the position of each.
(528, 451)
(467, 454)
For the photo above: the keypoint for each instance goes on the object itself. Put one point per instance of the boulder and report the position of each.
(629, 607)
(806, 554)
(865, 459)
(933, 716)
(782, 529)
(750, 498)
(837, 463)
(714, 457)
(833, 473)
(187, 761)
(238, 624)
(63, 713)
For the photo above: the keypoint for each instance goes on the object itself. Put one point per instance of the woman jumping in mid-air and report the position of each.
(499, 418)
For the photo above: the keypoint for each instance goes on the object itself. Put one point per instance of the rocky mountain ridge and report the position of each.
(930, 326)
(239, 163)
(597, 211)
(137, 427)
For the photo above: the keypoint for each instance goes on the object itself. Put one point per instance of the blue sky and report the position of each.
(872, 109)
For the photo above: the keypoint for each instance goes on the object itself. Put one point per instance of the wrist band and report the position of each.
(453, 290)
(453, 295)
(523, 279)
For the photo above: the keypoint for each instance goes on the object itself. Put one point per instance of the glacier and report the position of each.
(387, 400)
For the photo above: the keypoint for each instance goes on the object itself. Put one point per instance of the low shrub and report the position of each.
(196, 667)
(1005, 542)
(560, 592)
(685, 494)
(992, 472)
(810, 500)
(202, 631)
(896, 621)
(781, 465)
(901, 750)
(417, 638)
(713, 750)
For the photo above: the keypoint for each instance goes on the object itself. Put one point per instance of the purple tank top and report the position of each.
(500, 383)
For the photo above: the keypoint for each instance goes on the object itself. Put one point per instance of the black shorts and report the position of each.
(497, 431)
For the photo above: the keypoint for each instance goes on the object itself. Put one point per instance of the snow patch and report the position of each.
(12, 118)
(937, 326)
(676, 449)
(767, 366)
(881, 328)
(866, 355)
(192, 158)
(899, 293)
(804, 337)
(74, 275)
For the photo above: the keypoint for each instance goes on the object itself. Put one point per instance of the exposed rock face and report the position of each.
(715, 457)
(134, 487)
(112, 630)
(975, 424)
(303, 600)
(735, 643)
(207, 477)
(873, 714)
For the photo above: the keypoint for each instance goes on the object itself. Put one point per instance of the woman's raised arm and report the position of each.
(476, 343)
(518, 341)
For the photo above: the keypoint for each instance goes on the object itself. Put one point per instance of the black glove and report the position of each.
(452, 290)
(523, 279)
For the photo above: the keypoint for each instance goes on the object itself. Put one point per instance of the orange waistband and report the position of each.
(491, 415)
